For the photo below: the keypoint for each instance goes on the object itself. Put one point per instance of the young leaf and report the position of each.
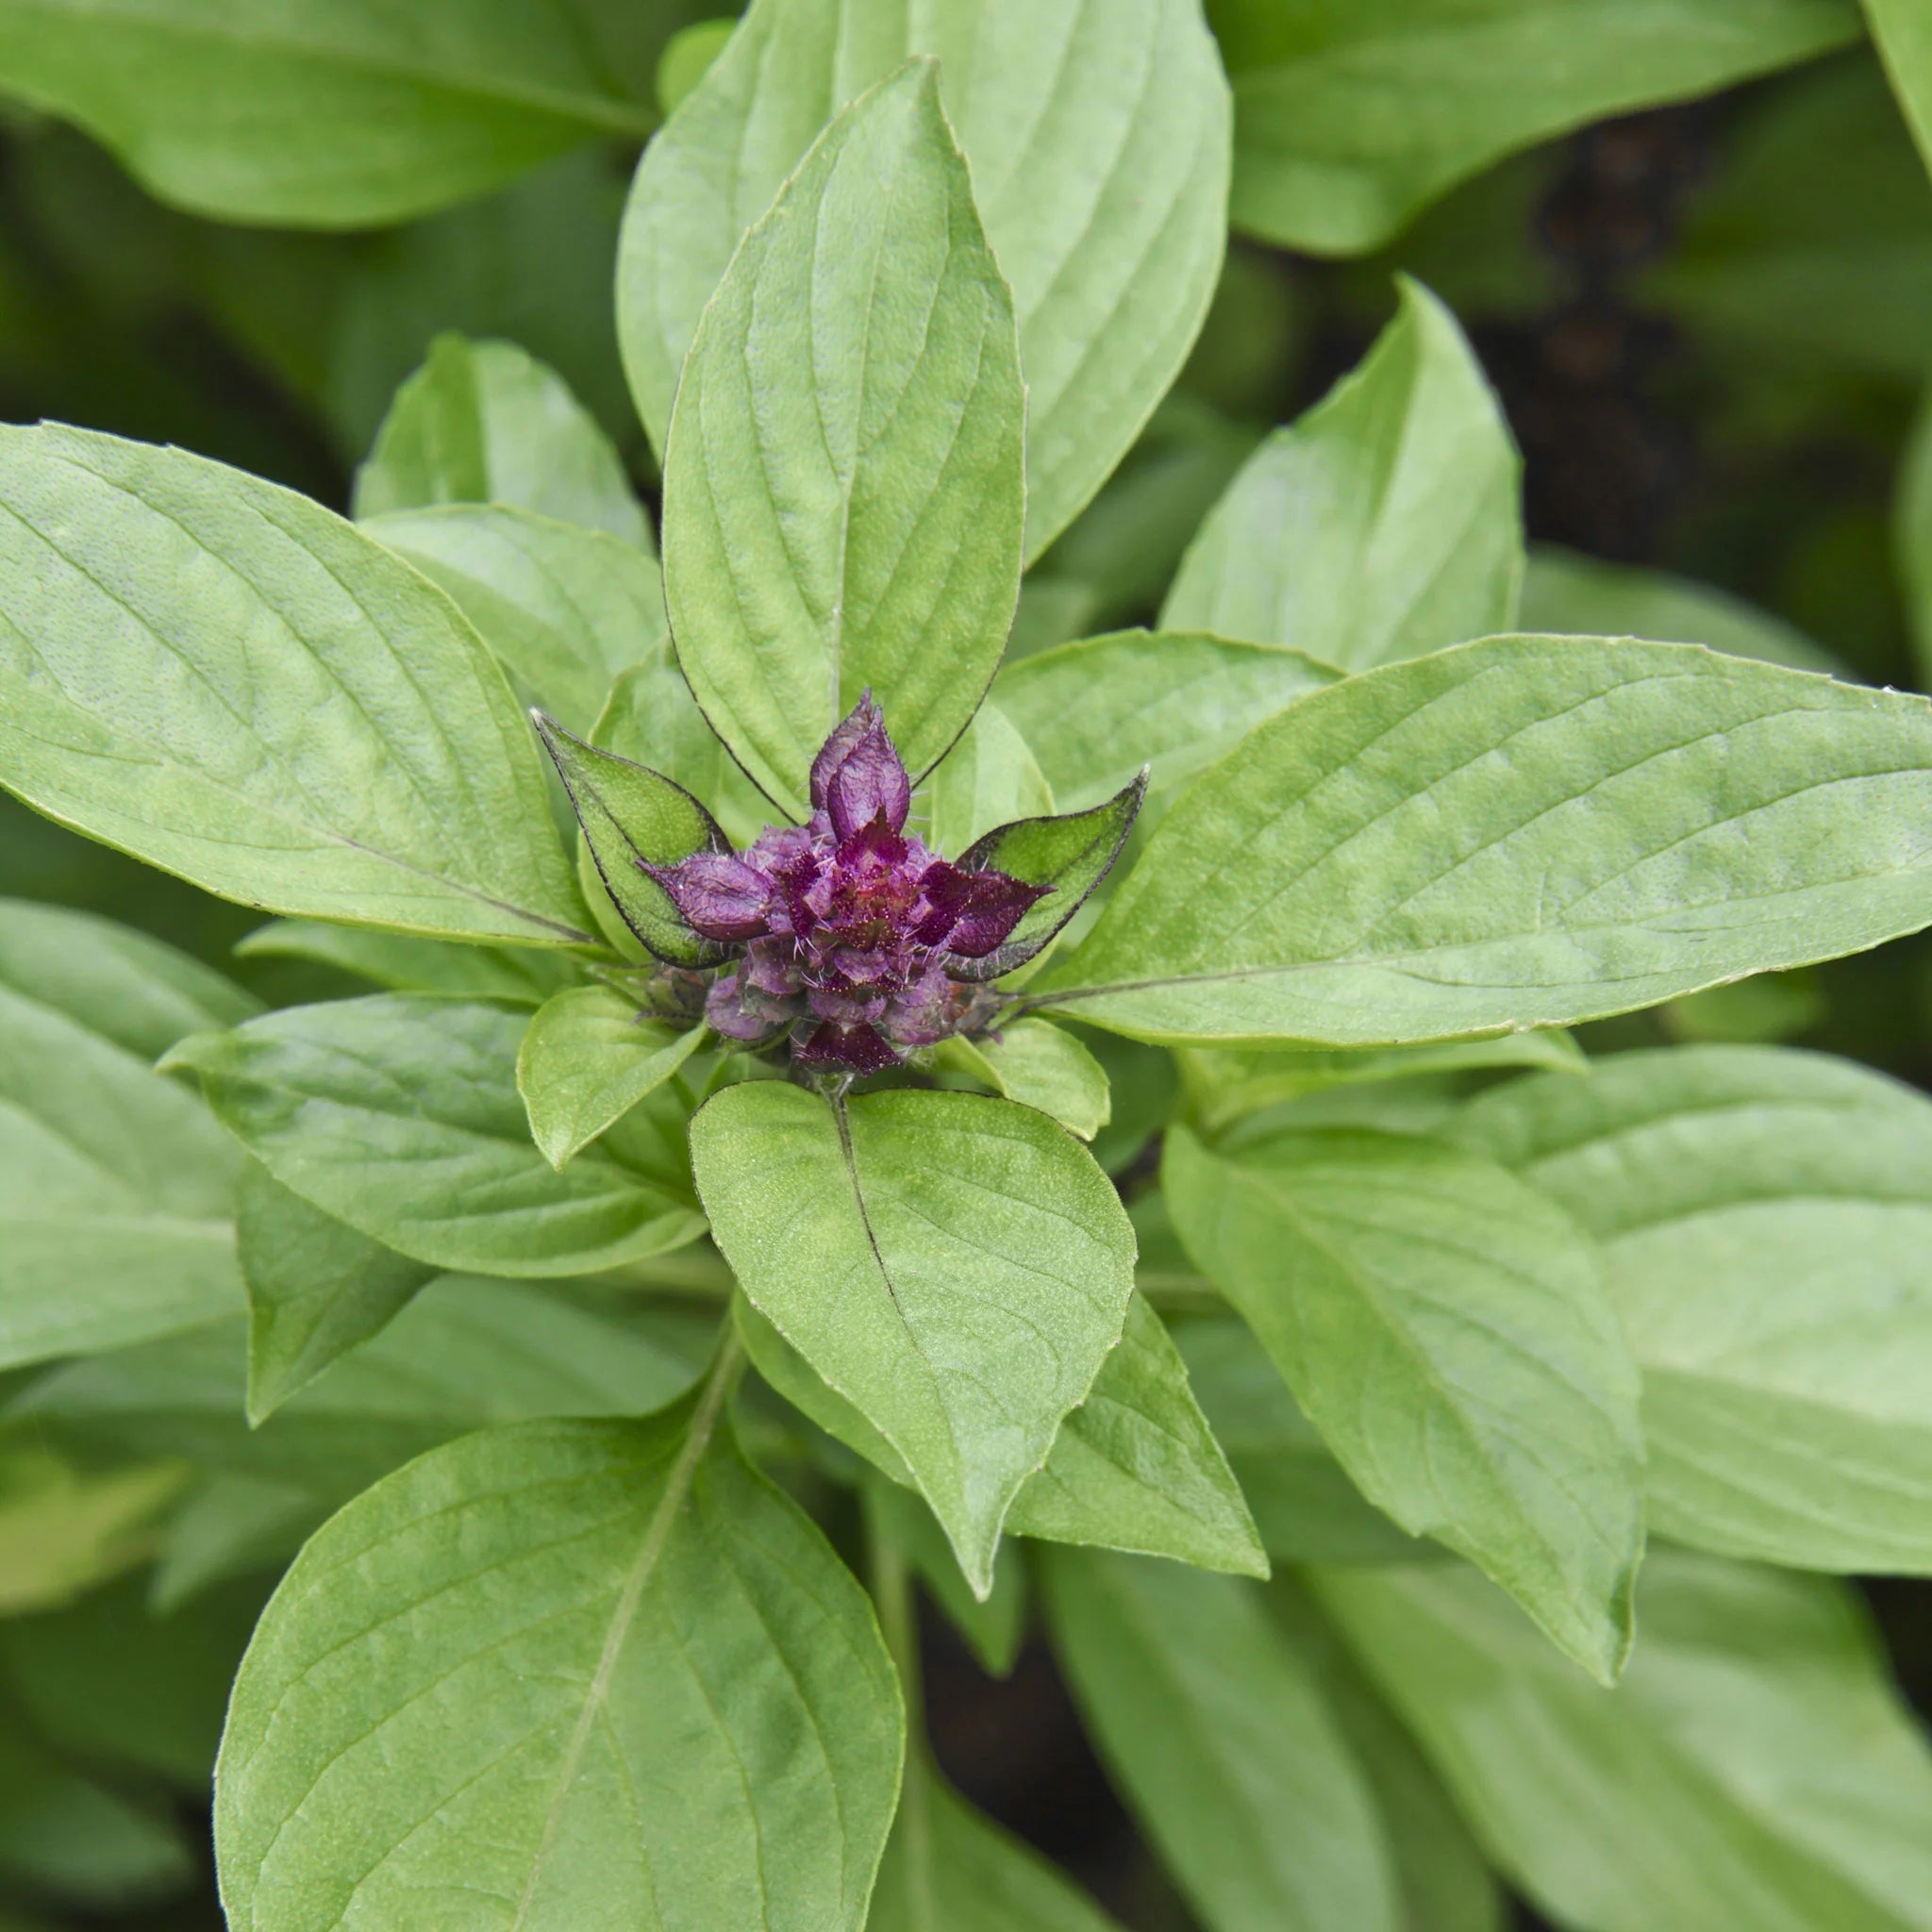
(486, 422)
(950, 1869)
(1070, 853)
(632, 817)
(842, 489)
(1447, 1331)
(317, 114)
(1306, 1508)
(990, 776)
(564, 609)
(1346, 127)
(595, 1610)
(466, 1354)
(1754, 1749)
(1766, 1218)
(400, 1115)
(953, 1266)
(992, 1628)
(1381, 526)
(1219, 1743)
(1134, 1468)
(1095, 712)
(1040, 1065)
(226, 680)
(316, 1286)
(1566, 592)
(1521, 832)
(400, 962)
(1098, 139)
(588, 1057)
(117, 1191)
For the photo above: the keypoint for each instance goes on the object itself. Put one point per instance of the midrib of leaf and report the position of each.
(678, 1485)
(598, 111)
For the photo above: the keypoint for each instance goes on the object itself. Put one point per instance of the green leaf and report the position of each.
(632, 816)
(1445, 1882)
(230, 1527)
(1382, 524)
(949, 1867)
(117, 1191)
(1566, 591)
(1039, 1065)
(1766, 1220)
(1306, 1508)
(1754, 1750)
(1219, 1740)
(1134, 1468)
(133, 990)
(1098, 139)
(1347, 126)
(595, 1610)
(953, 1266)
(223, 679)
(992, 1628)
(402, 962)
(64, 1531)
(651, 718)
(1097, 711)
(843, 484)
(1225, 1084)
(1070, 853)
(589, 1057)
(400, 1115)
(1911, 547)
(316, 1286)
(466, 1354)
(1521, 832)
(990, 777)
(487, 422)
(1904, 39)
(565, 610)
(318, 113)
(1447, 1331)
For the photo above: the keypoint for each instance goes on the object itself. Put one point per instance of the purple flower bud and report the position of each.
(856, 777)
(719, 896)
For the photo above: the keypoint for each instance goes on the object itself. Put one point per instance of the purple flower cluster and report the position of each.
(853, 933)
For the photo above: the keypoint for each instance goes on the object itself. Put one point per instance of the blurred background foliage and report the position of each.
(1709, 323)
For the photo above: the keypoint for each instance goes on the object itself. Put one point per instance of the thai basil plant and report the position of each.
(856, 1103)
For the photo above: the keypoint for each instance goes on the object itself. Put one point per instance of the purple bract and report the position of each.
(849, 925)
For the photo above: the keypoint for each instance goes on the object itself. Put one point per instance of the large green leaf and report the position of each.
(1766, 1218)
(117, 1191)
(226, 680)
(842, 483)
(1135, 1467)
(988, 779)
(466, 1354)
(1525, 831)
(1568, 592)
(1093, 712)
(487, 422)
(953, 1266)
(1098, 137)
(564, 609)
(1904, 39)
(1039, 1065)
(1447, 1331)
(400, 1114)
(324, 113)
(1754, 1768)
(1382, 524)
(403, 962)
(637, 1691)
(316, 1286)
(1220, 1742)
(588, 1057)
(1348, 123)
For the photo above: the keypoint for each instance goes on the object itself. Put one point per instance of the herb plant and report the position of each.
(857, 1099)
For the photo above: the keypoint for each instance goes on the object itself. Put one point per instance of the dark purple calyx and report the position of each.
(851, 928)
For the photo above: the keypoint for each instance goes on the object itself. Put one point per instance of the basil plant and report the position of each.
(857, 1101)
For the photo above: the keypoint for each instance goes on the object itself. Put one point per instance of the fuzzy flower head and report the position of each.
(856, 939)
